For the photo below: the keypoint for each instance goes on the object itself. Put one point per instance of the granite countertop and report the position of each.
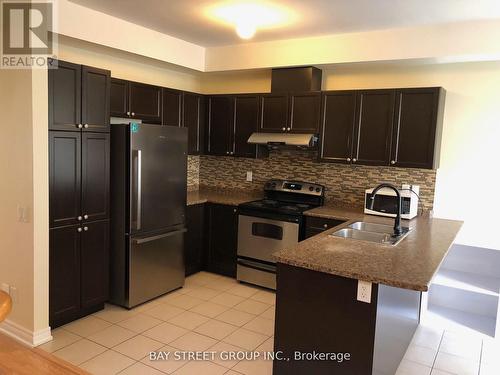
(221, 196)
(410, 265)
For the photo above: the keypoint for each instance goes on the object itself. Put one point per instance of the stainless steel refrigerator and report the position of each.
(148, 202)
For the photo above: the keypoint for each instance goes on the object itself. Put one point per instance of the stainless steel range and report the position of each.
(271, 224)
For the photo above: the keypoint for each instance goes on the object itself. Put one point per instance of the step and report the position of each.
(468, 281)
(442, 317)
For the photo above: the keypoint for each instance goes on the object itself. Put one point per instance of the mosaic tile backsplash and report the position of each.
(345, 184)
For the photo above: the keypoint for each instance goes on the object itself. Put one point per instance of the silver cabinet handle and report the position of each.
(128, 113)
(325, 225)
(348, 159)
(79, 230)
(235, 210)
(354, 160)
(133, 113)
(85, 228)
(284, 128)
(288, 129)
(85, 216)
(393, 162)
(232, 153)
(227, 152)
(79, 126)
(79, 218)
(86, 126)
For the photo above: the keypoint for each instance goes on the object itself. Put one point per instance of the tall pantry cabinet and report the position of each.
(79, 154)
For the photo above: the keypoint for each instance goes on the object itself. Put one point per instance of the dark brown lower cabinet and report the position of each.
(194, 243)
(94, 263)
(317, 225)
(222, 237)
(64, 274)
(78, 271)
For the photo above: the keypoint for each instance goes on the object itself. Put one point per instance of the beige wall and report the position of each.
(16, 189)
(127, 65)
(470, 152)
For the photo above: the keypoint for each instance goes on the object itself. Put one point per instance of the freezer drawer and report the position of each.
(156, 265)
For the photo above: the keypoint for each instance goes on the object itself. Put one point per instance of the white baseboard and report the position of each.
(27, 337)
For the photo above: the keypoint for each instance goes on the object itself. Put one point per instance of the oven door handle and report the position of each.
(257, 266)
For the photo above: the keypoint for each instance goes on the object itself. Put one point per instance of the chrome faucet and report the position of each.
(397, 221)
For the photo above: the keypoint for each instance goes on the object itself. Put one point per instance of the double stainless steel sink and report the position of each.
(371, 232)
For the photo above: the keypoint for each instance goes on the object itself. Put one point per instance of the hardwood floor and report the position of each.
(15, 358)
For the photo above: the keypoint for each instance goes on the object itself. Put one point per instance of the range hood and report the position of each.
(275, 140)
(289, 80)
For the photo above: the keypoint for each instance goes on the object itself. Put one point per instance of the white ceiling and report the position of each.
(185, 19)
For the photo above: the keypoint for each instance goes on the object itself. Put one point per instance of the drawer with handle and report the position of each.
(316, 225)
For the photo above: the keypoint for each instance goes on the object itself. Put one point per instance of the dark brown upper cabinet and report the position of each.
(193, 118)
(337, 126)
(245, 122)
(78, 98)
(274, 115)
(64, 178)
(95, 176)
(136, 100)
(373, 127)
(417, 130)
(291, 113)
(145, 102)
(220, 122)
(118, 102)
(304, 112)
(65, 93)
(95, 99)
(172, 107)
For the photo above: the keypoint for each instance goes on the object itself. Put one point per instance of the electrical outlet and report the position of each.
(364, 291)
(22, 214)
(249, 176)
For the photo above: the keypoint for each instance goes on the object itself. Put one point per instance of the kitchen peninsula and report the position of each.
(317, 284)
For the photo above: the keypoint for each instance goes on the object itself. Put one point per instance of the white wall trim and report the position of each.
(25, 336)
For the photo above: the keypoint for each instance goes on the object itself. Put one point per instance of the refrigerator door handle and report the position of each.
(139, 191)
(157, 237)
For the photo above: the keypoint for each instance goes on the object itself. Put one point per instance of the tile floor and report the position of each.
(217, 313)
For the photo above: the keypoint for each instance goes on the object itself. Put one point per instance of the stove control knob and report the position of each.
(318, 190)
(311, 188)
(273, 185)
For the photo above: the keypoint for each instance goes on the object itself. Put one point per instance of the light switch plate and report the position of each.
(364, 291)
(249, 176)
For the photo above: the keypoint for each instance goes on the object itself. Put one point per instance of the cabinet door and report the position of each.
(94, 263)
(193, 119)
(64, 275)
(274, 116)
(118, 98)
(246, 122)
(65, 96)
(373, 129)
(222, 232)
(145, 102)
(95, 99)
(220, 123)
(172, 107)
(337, 129)
(414, 137)
(305, 112)
(64, 178)
(95, 176)
(194, 239)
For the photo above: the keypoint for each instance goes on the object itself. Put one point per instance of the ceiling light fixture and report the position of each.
(249, 16)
